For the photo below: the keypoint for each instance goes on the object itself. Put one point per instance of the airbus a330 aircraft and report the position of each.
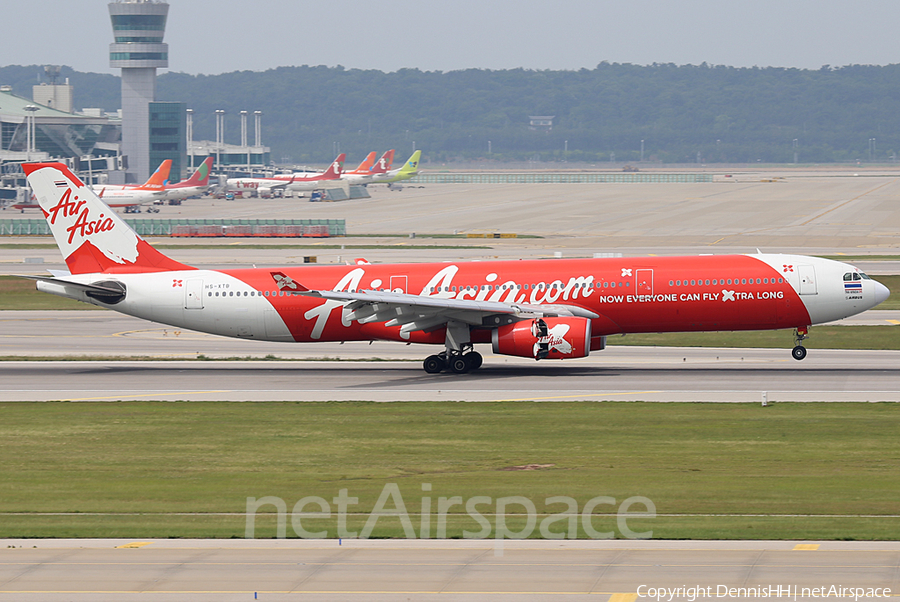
(544, 309)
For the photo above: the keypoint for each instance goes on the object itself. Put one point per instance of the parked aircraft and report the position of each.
(198, 183)
(296, 181)
(409, 169)
(365, 166)
(116, 195)
(157, 181)
(544, 309)
(356, 177)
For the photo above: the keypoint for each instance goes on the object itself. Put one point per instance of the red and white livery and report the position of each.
(542, 309)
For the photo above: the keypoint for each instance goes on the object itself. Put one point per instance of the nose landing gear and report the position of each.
(799, 351)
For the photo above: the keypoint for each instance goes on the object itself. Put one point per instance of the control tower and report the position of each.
(138, 27)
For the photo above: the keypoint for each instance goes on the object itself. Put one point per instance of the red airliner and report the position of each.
(544, 309)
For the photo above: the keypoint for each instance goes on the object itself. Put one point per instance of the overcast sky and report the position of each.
(232, 35)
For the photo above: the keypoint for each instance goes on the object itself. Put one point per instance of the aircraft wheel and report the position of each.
(474, 359)
(798, 352)
(458, 364)
(433, 364)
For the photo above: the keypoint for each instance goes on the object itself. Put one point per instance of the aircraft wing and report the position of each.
(419, 312)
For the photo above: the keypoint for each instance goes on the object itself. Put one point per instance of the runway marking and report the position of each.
(806, 546)
(143, 395)
(577, 396)
(134, 544)
(893, 321)
(815, 217)
(622, 598)
(718, 241)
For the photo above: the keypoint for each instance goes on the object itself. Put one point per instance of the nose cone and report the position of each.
(881, 292)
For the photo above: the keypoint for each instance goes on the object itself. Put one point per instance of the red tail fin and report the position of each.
(91, 237)
(384, 163)
(200, 177)
(336, 168)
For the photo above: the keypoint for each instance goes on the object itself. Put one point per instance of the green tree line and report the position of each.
(683, 113)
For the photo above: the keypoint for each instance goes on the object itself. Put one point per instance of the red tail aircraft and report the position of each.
(539, 309)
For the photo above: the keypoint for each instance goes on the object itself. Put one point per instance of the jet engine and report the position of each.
(544, 338)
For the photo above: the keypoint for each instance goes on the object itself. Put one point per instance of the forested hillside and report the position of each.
(725, 114)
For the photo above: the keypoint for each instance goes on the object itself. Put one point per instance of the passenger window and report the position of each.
(693, 282)
(743, 281)
(671, 283)
(707, 283)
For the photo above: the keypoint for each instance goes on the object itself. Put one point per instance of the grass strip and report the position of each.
(787, 471)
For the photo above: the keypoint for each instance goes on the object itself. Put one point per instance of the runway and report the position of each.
(425, 570)
(388, 371)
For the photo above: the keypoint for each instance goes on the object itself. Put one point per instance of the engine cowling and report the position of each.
(544, 338)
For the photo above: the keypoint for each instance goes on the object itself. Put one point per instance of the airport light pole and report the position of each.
(190, 137)
(244, 137)
(795, 151)
(220, 136)
(29, 131)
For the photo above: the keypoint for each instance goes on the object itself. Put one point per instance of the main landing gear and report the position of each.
(458, 363)
(799, 351)
(460, 356)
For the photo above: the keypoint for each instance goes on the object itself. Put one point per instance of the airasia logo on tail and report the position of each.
(69, 206)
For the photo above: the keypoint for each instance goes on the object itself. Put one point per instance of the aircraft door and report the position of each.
(193, 294)
(807, 280)
(398, 284)
(643, 282)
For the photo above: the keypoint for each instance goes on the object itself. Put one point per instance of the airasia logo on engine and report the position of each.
(70, 206)
(544, 338)
(554, 340)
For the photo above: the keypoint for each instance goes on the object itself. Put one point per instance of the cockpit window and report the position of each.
(848, 277)
(855, 276)
(864, 276)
